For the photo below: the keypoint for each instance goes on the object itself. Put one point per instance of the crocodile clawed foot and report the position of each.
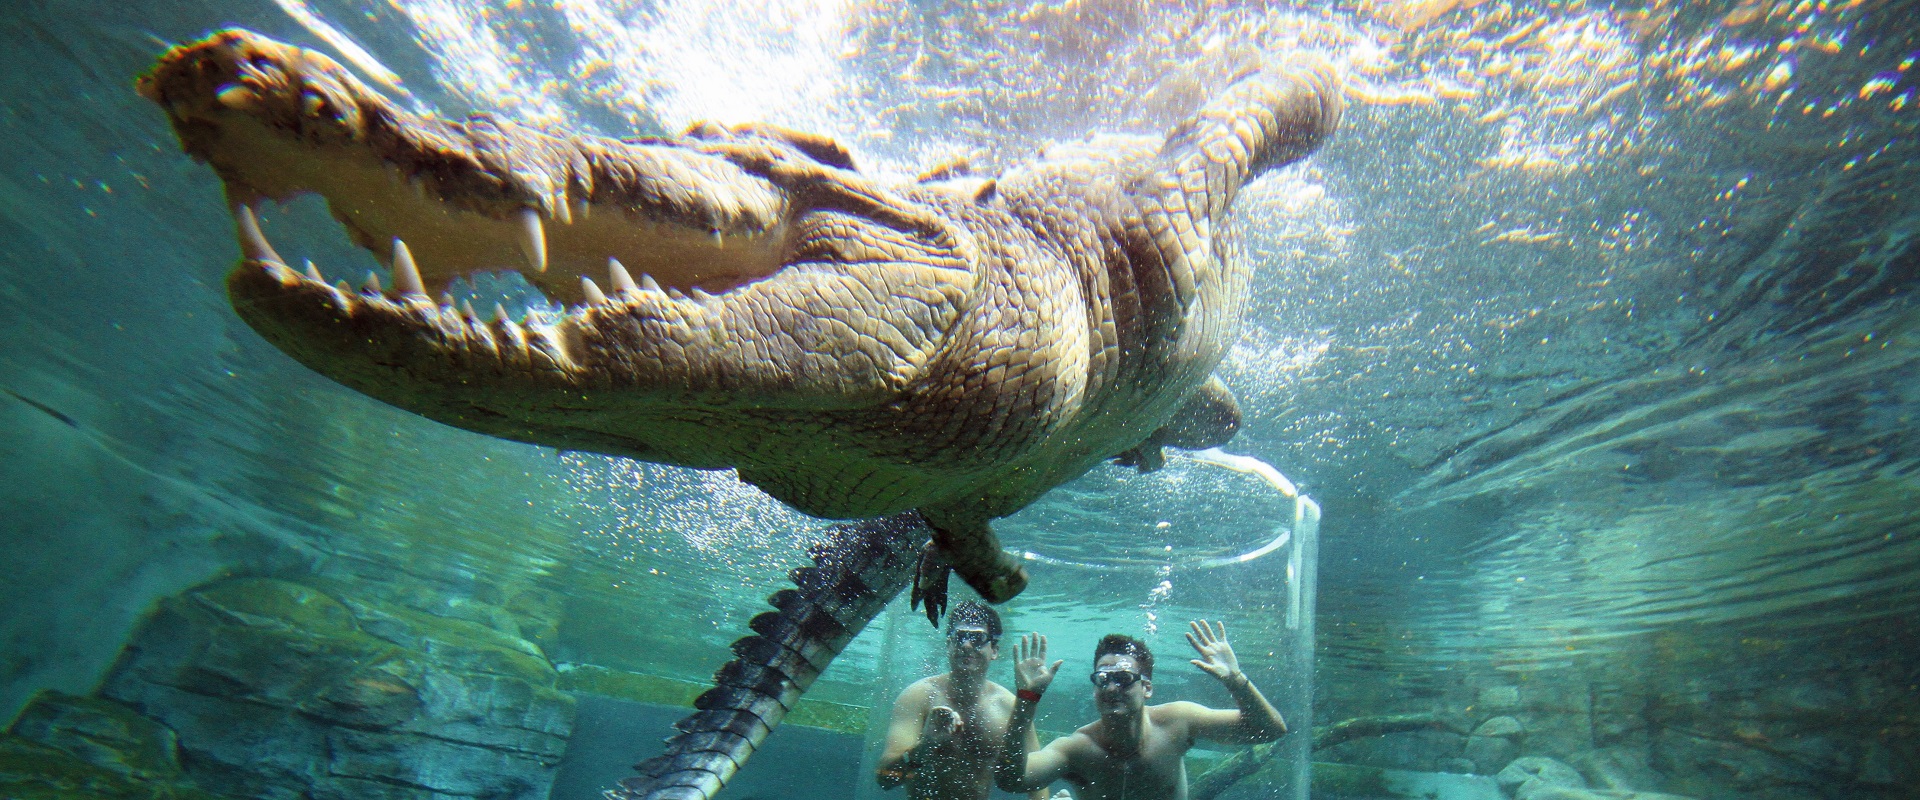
(930, 583)
(999, 584)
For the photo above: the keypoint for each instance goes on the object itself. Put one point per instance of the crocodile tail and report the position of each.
(856, 571)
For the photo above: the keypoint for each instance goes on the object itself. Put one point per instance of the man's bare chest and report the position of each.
(1152, 771)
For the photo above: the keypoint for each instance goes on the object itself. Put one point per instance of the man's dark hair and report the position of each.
(1120, 644)
(971, 614)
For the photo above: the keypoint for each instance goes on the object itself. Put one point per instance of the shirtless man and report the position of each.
(1134, 751)
(947, 730)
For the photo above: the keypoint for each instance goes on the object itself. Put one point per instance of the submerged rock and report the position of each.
(1336, 781)
(100, 732)
(279, 690)
(65, 747)
(1492, 744)
(1489, 752)
(1541, 770)
(1619, 768)
(1536, 790)
(1499, 726)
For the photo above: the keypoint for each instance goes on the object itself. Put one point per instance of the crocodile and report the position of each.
(932, 353)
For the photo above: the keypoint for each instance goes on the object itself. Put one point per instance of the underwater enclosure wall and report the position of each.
(1591, 330)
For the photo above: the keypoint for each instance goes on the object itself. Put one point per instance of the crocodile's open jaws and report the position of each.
(744, 297)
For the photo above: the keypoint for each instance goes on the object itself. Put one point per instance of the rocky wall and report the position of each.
(271, 688)
(1710, 714)
(68, 747)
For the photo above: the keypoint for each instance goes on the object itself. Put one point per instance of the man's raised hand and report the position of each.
(1030, 670)
(1216, 656)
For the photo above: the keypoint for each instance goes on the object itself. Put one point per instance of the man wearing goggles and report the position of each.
(947, 730)
(1134, 751)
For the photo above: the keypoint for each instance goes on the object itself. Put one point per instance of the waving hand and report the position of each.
(1030, 670)
(1216, 656)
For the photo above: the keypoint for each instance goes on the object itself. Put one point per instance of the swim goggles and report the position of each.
(1116, 678)
(971, 637)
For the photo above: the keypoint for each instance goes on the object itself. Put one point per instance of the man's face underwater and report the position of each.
(1119, 685)
(971, 648)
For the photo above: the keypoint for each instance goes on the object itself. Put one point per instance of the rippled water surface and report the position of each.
(1594, 322)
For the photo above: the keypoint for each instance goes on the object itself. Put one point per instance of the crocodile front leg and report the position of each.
(969, 548)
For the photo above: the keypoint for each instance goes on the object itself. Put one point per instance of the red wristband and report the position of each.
(1028, 695)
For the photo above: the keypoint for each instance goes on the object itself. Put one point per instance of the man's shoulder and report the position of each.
(1178, 707)
(1080, 745)
(1085, 733)
(1177, 711)
(924, 688)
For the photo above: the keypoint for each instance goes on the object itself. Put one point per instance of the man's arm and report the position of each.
(903, 735)
(1020, 770)
(1255, 720)
(1033, 743)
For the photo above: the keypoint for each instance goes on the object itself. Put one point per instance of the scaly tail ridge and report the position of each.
(856, 572)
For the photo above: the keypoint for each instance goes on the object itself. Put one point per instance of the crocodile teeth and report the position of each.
(621, 280)
(594, 295)
(533, 239)
(406, 274)
(648, 283)
(237, 97)
(342, 295)
(253, 243)
(719, 240)
(313, 272)
(513, 335)
(500, 313)
(466, 310)
(371, 285)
